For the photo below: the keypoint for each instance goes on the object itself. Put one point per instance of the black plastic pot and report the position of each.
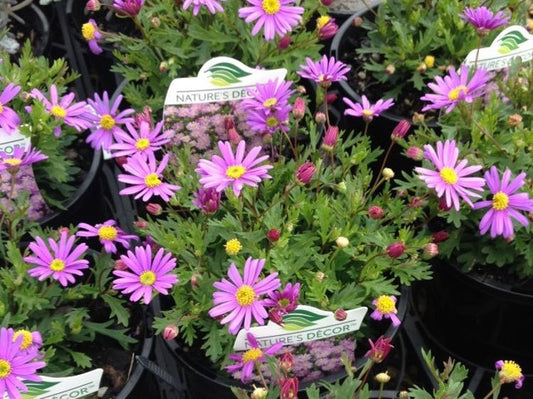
(31, 23)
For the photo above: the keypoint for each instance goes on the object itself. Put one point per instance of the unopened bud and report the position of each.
(357, 21)
(25, 96)
(431, 250)
(403, 395)
(170, 332)
(331, 98)
(340, 315)
(284, 42)
(93, 5)
(327, 3)
(155, 22)
(120, 265)
(275, 316)
(509, 239)
(422, 67)
(229, 123)
(415, 153)
(305, 172)
(416, 202)
(320, 276)
(273, 235)
(418, 118)
(234, 136)
(400, 130)
(387, 173)
(64, 230)
(390, 69)
(154, 209)
(429, 60)
(298, 109)
(396, 249)
(514, 120)
(341, 187)
(141, 224)
(382, 378)
(443, 205)
(194, 279)
(342, 242)
(259, 393)
(320, 118)
(330, 138)
(286, 362)
(439, 236)
(301, 89)
(163, 67)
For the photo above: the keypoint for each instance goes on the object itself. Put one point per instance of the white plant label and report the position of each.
(304, 324)
(9, 142)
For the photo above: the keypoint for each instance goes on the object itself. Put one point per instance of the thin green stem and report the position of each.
(497, 386)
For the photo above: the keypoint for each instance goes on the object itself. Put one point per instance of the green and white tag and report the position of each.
(9, 142)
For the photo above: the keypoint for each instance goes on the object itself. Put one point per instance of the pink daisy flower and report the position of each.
(269, 122)
(90, 32)
(145, 178)
(505, 204)
(240, 297)
(248, 359)
(128, 7)
(108, 234)
(275, 16)
(385, 308)
(284, 301)
(31, 341)
(61, 263)
(483, 19)
(509, 371)
(366, 110)
(16, 365)
(147, 274)
(9, 120)
(20, 157)
(235, 170)
(450, 179)
(212, 5)
(271, 96)
(325, 71)
(108, 120)
(145, 140)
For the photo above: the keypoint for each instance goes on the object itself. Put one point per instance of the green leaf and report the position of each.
(118, 335)
(117, 309)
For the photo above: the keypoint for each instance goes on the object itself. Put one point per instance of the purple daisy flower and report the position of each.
(212, 5)
(240, 297)
(248, 359)
(145, 140)
(270, 96)
(74, 115)
(90, 32)
(504, 204)
(284, 301)
(128, 7)
(385, 308)
(235, 170)
(149, 274)
(9, 120)
(454, 88)
(20, 157)
(16, 365)
(108, 233)
(269, 122)
(509, 371)
(62, 263)
(450, 179)
(145, 178)
(483, 19)
(107, 119)
(325, 71)
(31, 341)
(276, 16)
(366, 110)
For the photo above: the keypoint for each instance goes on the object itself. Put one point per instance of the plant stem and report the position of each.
(378, 176)
(497, 386)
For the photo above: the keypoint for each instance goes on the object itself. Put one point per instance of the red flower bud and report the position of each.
(327, 3)
(340, 315)
(331, 98)
(440, 236)
(93, 5)
(170, 332)
(120, 265)
(273, 235)
(298, 109)
(62, 230)
(276, 316)
(443, 206)
(305, 172)
(121, 160)
(396, 249)
(141, 224)
(154, 209)
(416, 202)
(289, 388)
(375, 212)
(400, 130)
(415, 153)
(233, 136)
(286, 362)
(328, 143)
(431, 250)
(284, 42)
(229, 123)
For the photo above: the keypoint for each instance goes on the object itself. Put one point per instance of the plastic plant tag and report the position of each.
(304, 324)
(78, 386)
(513, 42)
(8, 142)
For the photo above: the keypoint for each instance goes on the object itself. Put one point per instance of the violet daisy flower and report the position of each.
(145, 140)
(16, 366)
(284, 301)
(31, 340)
(108, 233)
(235, 170)
(385, 308)
(483, 19)
(108, 121)
(450, 179)
(270, 96)
(248, 359)
(62, 263)
(74, 115)
(380, 350)
(128, 7)
(505, 204)
(269, 122)
(145, 178)
(325, 71)
(366, 110)
(510, 371)
(276, 16)
(147, 274)
(20, 157)
(9, 120)
(240, 297)
(90, 32)
(455, 88)
(212, 5)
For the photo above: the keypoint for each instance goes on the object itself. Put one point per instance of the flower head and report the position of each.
(330, 138)
(271, 96)
(274, 16)
(385, 307)
(233, 246)
(379, 350)
(455, 88)
(108, 234)
(248, 359)
(268, 122)
(147, 274)
(366, 110)
(62, 262)
(207, 199)
(20, 157)
(9, 120)
(483, 19)
(325, 71)
(128, 7)
(240, 296)
(288, 388)
(450, 179)
(236, 169)
(144, 140)
(92, 35)
(284, 301)
(212, 5)
(145, 178)
(510, 371)
(31, 340)
(305, 172)
(505, 204)
(326, 27)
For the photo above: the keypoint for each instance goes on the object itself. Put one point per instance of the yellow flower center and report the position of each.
(270, 102)
(510, 371)
(142, 144)
(27, 339)
(454, 94)
(5, 368)
(233, 246)
(57, 265)
(385, 304)
(448, 175)
(152, 180)
(368, 112)
(88, 31)
(323, 20)
(147, 277)
(251, 355)
(58, 111)
(234, 172)
(107, 122)
(107, 233)
(1, 108)
(429, 61)
(272, 121)
(12, 161)
(271, 6)
(500, 201)
(245, 295)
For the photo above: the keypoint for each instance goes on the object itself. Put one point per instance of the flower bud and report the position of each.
(93, 5)
(275, 316)
(341, 187)
(234, 136)
(340, 315)
(416, 202)
(120, 265)
(141, 224)
(400, 130)
(382, 378)
(357, 21)
(229, 123)
(403, 395)
(320, 118)
(170, 332)
(342, 242)
(418, 118)
(286, 362)
(62, 230)
(331, 98)
(401, 193)
(284, 42)
(305, 172)
(273, 235)
(298, 109)
(375, 212)
(415, 153)
(259, 393)
(154, 209)
(429, 60)
(301, 90)
(320, 276)
(390, 69)
(514, 120)
(439, 236)
(422, 67)
(431, 250)
(326, 3)
(388, 173)
(443, 206)
(194, 279)
(121, 161)
(328, 29)
(330, 138)
(155, 22)
(509, 239)
(396, 249)
(163, 67)
(288, 388)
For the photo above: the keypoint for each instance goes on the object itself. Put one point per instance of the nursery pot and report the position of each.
(30, 23)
